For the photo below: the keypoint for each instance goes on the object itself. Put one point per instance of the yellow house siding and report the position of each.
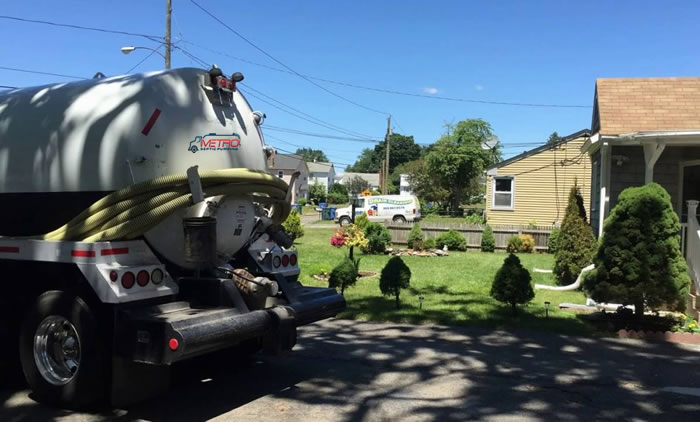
(541, 187)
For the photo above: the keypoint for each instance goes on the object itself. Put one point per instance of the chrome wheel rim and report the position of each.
(57, 350)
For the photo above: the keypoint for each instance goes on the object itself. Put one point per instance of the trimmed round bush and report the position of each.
(488, 241)
(527, 243)
(512, 284)
(429, 243)
(416, 233)
(344, 275)
(639, 261)
(378, 238)
(453, 240)
(514, 244)
(301, 201)
(395, 276)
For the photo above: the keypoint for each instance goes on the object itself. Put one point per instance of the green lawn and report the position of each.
(456, 289)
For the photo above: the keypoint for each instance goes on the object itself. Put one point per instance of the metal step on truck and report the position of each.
(140, 228)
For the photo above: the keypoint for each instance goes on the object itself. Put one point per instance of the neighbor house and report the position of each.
(323, 173)
(533, 187)
(371, 178)
(648, 130)
(284, 165)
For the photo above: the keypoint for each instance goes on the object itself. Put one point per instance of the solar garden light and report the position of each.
(546, 309)
(420, 300)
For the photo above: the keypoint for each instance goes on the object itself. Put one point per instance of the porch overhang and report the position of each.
(675, 137)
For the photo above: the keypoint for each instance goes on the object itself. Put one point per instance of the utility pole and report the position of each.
(168, 12)
(385, 185)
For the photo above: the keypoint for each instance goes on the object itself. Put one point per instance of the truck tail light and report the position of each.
(285, 260)
(276, 262)
(231, 85)
(157, 276)
(222, 83)
(142, 278)
(113, 276)
(128, 280)
(293, 260)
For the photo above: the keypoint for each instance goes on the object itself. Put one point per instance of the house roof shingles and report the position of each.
(626, 105)
(319, 166)
(286, 162)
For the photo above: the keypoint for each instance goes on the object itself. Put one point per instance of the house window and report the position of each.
(280, 174)
(503, 196)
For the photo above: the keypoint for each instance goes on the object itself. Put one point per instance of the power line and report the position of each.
(288, 152)
(320, 135)
(38, 72)
(315, 120)
(299, 146)
(85, 28)
(8, 87)
(155, 50)
(239, 35)
(391, 91)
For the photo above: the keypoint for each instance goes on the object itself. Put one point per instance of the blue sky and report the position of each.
(546, 52)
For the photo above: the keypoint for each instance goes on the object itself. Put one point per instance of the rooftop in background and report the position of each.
(287, 161)
(371, 178)
(625, 105)
(318, 166)
(546, 146)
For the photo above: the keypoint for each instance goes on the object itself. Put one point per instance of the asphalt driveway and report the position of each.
(351, 371)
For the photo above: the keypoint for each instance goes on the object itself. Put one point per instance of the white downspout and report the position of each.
(652, 152)
(603, 197)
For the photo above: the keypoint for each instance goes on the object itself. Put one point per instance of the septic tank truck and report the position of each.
(140, 228)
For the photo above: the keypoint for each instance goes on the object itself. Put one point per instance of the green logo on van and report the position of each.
(390, 201)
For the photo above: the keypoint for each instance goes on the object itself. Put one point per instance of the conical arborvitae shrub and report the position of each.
(512, 284)
(639, 261)
(395, 276)
(415, 235)
(488, 241)
(576, 243)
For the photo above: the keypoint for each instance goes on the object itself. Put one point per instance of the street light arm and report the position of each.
(129, 49)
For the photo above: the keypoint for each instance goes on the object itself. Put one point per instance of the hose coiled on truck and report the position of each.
(130, 212)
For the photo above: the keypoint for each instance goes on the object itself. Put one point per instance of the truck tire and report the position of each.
(399, 219)
(63, 357)
(344, 221)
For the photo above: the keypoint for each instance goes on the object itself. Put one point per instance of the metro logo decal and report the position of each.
(214, 142)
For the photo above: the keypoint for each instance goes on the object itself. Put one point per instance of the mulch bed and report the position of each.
(649, 328)
(672, 337)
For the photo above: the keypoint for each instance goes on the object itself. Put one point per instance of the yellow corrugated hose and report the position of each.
(130, 212)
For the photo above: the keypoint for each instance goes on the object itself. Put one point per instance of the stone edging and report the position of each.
(668, 336)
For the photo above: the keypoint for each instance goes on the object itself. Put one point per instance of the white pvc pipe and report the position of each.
(574, 286)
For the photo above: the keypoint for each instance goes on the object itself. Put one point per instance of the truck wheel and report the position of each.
(344, 221)
(399, 219)
(63, 358)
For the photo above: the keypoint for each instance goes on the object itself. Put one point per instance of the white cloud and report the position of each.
(478, 87)
(431, 91)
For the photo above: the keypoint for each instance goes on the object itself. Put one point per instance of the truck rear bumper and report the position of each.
(171, 332)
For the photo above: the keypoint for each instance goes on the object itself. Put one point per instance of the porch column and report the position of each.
(604, 195)
(652, 152)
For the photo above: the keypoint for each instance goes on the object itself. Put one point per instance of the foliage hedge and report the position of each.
(514, 244)
(362, 221)
(553, 242)
(639, 261)
(527, 243)
(416, 233)
(488, 241)
(429, 243)
(292, 225)
(453, 240)
(378, 238)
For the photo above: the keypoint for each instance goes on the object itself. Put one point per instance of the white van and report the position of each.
(396, 208)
